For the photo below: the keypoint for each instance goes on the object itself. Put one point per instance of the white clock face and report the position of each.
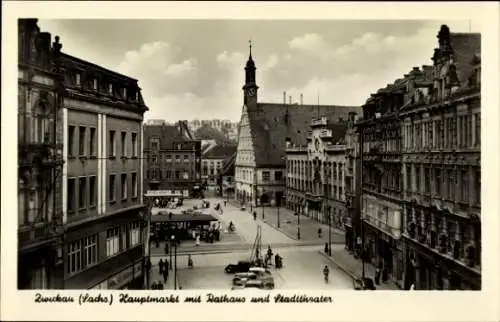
(251, 92)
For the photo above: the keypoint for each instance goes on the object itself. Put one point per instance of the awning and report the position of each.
(183, 218)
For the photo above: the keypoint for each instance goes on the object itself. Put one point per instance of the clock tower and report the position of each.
(250, 88)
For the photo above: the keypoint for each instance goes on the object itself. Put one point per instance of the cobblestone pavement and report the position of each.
(302, 270)
(289, 223)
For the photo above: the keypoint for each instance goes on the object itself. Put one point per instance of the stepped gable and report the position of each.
(272, 125)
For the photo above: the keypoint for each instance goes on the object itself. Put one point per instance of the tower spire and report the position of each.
(250, 46)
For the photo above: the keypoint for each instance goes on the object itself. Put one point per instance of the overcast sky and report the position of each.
(191, 69)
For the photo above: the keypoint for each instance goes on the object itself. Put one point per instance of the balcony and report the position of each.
(36, 235)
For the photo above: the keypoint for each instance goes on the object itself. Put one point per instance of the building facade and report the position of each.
(441, 148)
(103, 204)
(172, 160)
(265, 130)
(40, 161)
(381, 203)
(315, 174)
(213, 161)
(352, 181)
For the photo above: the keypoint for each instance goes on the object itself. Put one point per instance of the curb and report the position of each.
(342, 268)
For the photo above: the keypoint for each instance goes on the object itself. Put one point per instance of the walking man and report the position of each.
(165, 276)
(160, 265)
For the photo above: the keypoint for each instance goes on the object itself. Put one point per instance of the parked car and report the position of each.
(361, 284)
(240, 267)
(255, 274)
(250, 285)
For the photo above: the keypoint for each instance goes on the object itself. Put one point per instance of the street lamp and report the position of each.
(170, 252)
(329, 234)
(298, 223)
(175, 259)
(279, 204)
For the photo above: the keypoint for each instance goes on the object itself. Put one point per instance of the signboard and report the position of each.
(161, 193)
(120, 279)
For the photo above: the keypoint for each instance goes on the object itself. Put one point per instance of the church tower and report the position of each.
(250, 88)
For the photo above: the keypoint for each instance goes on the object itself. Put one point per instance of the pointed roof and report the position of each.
(250, 62)
(272, 125)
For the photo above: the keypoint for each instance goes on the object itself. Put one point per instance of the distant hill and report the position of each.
(206, 132)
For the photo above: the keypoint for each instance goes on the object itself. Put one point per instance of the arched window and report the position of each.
(43, 120)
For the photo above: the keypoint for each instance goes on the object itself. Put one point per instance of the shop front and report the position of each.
(429, 270)
(132, 278)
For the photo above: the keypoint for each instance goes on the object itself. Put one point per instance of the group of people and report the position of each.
(278, 260)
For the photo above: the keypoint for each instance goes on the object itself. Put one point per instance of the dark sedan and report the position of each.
(240, 267)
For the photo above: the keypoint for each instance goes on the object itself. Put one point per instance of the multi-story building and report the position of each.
(441, 148)
(352, 181)
(264, 131)
(381, 207)
(226, 178)
(213, 161)
(103, 204)
(315, 174)
(40, 255)
(172, 160)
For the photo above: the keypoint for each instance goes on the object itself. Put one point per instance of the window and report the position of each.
(92, 147)
(82, 193)
(465, 186)
(278, 175)
(437, 181)
(177, 174)
(168, 158)
(124, 186)
(134, 144)
(90, 250)
(154, 159)
(112, 143)
(92, 191)
(124, 93)
(417, 178)
(112, 241)
(71, 195)
(185, 175)
(134, 185)
(81, 140)
(135, 233)
(427, 180)
(124, 142)
(71, 140)
(266, 176)
(75, 260)
(477, 185)
(112, 183)
(478, 130)
(186, 159)
(94, 84)
(110, 89)
(77, 79)
(177, 159)
(451, 185)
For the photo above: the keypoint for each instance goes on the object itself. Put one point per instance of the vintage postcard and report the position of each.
(250, 161)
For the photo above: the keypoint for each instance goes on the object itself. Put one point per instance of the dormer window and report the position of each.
(77, 79)
(94, 84)
(110, 89)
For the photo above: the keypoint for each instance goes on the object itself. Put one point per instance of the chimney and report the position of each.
(301, 99)
(290, 100)
(284, 98)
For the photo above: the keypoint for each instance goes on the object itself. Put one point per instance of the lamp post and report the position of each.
(279, 204)
(172, 240)
(170, 252)
(329, 234)
(298, 224)
(261, 201)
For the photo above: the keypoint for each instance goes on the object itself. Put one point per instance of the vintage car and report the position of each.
(240, 267)
(255, 273)
(250, 285)
(361, 284)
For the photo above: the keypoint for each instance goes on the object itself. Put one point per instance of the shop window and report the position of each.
(75, 257)
(112, 241)
(135, 233)
(90, 250)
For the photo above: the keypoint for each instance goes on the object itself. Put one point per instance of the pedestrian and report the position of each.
(165, 275)
(412, 287)
(160, 286)
(160, 265)
(166, 246)
(190, 262)
(148, 265)
(165, 265)
(254, 215)
(377, 275)
(319, 232)
(154, 286)
(225, 203)
(326, 248)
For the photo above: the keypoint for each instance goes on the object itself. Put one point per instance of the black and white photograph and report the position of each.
(261, 155)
